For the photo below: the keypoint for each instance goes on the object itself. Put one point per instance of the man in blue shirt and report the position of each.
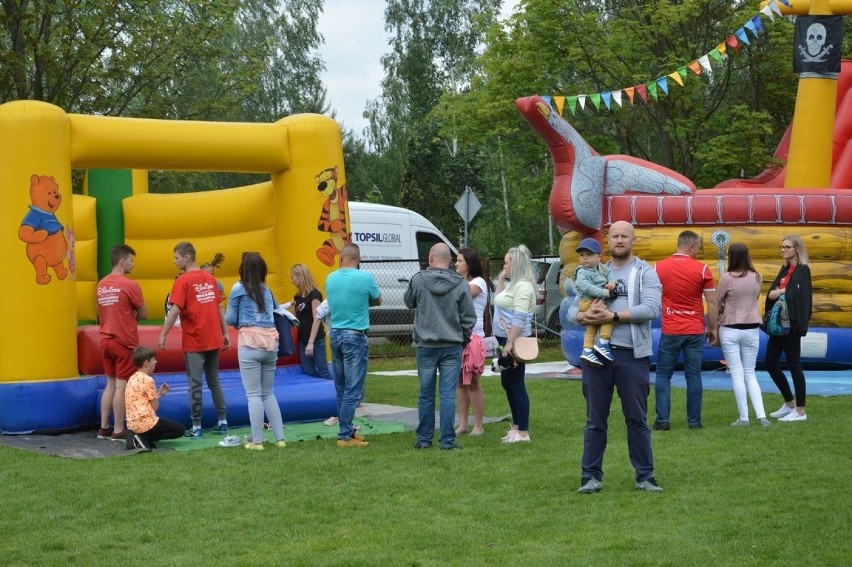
(350, 294)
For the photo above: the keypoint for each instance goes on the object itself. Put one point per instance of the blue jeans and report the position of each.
(316, 364)
(257, 370)
(669, 349)
(430, 361)
(349, 358)
(631, 378)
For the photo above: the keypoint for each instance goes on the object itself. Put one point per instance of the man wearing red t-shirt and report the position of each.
(120, 305)
(195, 299)
(686, 284)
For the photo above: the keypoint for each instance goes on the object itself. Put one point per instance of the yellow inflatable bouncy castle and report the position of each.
(51, 240)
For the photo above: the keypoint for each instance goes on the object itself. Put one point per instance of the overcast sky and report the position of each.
(355, 40)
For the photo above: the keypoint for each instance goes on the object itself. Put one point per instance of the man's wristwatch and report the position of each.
(615, 317)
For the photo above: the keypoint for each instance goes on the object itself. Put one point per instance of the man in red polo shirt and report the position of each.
(195, 299)
(120, 305)
(687, 283)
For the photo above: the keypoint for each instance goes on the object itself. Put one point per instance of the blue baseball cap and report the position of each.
(589, 244)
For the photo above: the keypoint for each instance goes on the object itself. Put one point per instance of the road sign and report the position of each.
(468, 205)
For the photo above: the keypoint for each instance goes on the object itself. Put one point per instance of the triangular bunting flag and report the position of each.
(676, 78)
(732, 41)
(682, 72)
(630, 91)
(743, 36)
(757, 24)
(582, 99)
(560, 103)
(596, 100)
(714, 53)
(548, 100)
(606, 98)
(705, 63)
(643, 92)
(749, 25)
(652, 89)
(663, 83)
(767, 11)
(694, 67)
(572, 104)
(722, 48)
(786, 3)
(616, 96)
(773, 5)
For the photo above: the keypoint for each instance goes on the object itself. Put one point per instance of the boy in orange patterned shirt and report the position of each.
(142, 400)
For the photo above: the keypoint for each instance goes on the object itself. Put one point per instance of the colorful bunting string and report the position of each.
(652, 89)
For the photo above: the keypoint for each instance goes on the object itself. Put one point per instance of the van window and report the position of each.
(425, 242)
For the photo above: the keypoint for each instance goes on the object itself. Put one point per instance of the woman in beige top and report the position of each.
(739, 320)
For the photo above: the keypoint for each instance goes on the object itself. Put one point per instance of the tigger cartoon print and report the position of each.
(333, 217)
(42, 231)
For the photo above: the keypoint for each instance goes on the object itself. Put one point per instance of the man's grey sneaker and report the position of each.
(591, 359)
(649, 485)
(603, 350)
(590, 486)
(194, 433)
(741, 423)
(764, 422)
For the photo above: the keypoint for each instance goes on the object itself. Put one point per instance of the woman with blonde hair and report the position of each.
(311, 331)
(514, 305)
(793, 282)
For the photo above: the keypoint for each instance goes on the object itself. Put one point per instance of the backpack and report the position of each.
(776, 322)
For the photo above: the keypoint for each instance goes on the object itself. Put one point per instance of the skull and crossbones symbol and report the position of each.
(815, 42)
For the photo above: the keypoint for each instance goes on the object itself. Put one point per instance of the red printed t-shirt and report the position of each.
(684, 280)
(138, 395)
(118, 299)
(197, 295)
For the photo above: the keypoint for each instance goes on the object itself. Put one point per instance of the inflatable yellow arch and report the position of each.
(49, 240)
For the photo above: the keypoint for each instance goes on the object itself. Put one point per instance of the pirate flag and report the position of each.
(817, 44)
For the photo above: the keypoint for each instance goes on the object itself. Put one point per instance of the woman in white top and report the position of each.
(513, 315)
(469, 393)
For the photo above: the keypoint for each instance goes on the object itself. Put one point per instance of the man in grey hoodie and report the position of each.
(442, 325)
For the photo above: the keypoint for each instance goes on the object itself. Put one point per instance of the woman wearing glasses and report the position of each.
(794, 283)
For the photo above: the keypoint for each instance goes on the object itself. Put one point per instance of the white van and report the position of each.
(395, 244)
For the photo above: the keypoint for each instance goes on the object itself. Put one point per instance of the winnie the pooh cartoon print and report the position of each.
(42, 231)
(333, 217)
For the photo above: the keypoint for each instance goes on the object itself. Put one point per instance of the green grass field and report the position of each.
(733, 496)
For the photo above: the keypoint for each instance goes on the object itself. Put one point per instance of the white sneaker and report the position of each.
(794, 416)
(782, 411)
(518, 438)
(741, 423)
(331, 421)
(511, 434)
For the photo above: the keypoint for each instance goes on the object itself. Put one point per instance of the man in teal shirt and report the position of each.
(350, 294)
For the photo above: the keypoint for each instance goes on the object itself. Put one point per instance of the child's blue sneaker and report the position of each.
(604, 350)
(194, 433)
(220, 429)
(589, 357)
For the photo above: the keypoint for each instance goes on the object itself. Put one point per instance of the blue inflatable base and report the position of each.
(68, 405)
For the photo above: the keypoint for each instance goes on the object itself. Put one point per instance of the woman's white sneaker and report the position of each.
(794, 416)
(782, 411)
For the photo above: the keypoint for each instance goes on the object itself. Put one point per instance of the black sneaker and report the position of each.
(661, 426)
(696, 426)
(140, 443)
